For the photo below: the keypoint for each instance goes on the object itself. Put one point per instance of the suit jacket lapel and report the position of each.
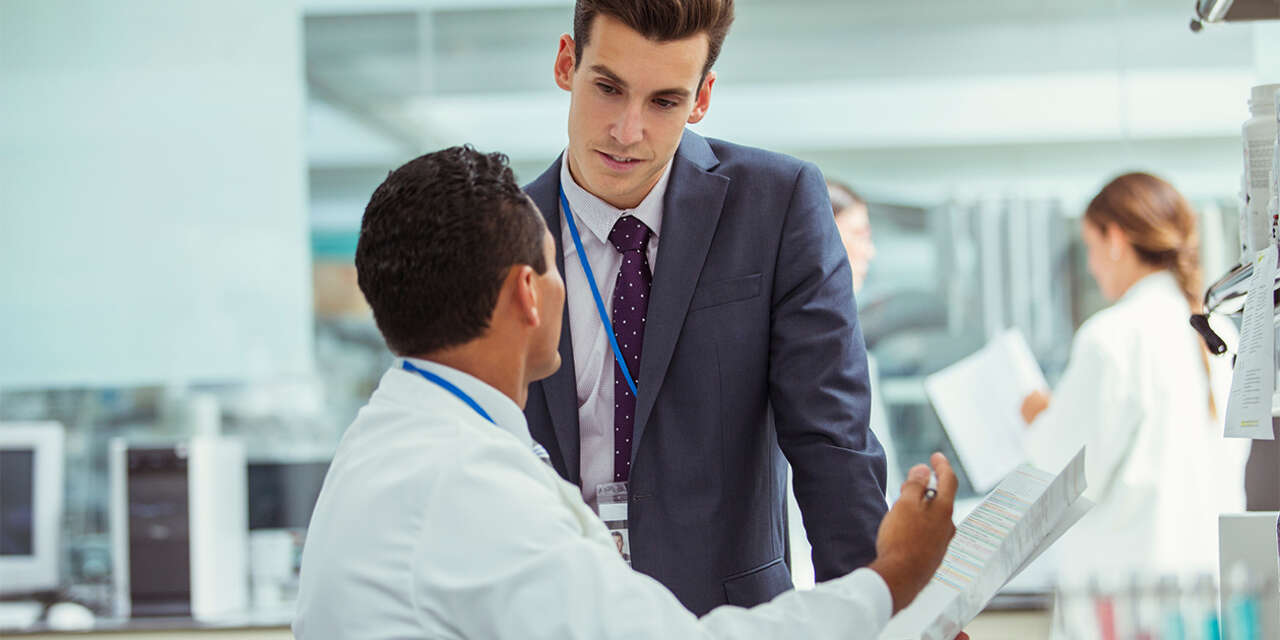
(560, 388)
(691, 211)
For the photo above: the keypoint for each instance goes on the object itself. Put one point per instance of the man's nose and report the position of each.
(629, 128)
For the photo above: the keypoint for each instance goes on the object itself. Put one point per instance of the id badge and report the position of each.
(611, 501)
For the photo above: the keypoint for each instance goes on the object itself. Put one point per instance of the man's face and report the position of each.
(630, 99)
(545, 357)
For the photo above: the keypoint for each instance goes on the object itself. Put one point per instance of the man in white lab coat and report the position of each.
(440, 517)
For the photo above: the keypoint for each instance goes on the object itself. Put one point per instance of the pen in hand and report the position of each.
(931, 491)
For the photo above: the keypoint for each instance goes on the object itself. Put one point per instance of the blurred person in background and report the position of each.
(1141, 391)
(854, 224)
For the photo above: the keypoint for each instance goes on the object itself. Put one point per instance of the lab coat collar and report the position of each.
(505, 413)
(599, 216)
(1162, 282)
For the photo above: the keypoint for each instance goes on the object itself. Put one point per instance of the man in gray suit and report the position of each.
(710, 325)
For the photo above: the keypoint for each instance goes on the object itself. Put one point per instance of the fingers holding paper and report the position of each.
(913, 537)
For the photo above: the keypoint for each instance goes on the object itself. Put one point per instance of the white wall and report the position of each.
(152, 192)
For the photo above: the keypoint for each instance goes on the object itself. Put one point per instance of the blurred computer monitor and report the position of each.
(282, 494)
(31, 481)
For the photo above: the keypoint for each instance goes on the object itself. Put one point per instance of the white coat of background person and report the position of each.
(1137, 392)
(854, 224)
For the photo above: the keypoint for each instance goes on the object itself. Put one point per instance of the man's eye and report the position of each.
(665, 104)
(606, 88)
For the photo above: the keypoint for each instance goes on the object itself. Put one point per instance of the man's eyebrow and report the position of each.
(613, 77)
(679, 92)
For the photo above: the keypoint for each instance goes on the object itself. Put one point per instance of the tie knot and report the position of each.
(629, 234)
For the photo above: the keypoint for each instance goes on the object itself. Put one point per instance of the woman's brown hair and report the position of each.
(1162, 227)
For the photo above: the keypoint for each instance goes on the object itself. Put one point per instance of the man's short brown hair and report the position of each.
(658, 20)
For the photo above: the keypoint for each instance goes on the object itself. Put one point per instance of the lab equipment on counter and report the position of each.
(282, 495)
(1249, 574)
(1142, 607)
(31, 491)
(1259, 138)
(179, 528)
(1251, 287)
(1213, 11)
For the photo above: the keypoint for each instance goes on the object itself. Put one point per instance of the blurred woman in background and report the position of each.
(1141, 392)
(853, 220)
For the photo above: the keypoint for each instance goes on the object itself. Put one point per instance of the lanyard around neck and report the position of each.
(595, 291)
(451, 388)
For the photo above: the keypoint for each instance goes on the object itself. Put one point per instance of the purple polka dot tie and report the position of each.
(630, 237)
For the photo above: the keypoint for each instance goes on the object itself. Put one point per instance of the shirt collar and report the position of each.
(505, 413)
(599, 216)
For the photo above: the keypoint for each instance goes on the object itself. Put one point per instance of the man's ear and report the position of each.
(526, 293)
(565, 63)
(702, 102)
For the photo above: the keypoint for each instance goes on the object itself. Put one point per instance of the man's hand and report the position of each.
(914, 535)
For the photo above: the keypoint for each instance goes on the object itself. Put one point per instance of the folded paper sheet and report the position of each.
(1018, 520)
(1253, 379)
(979, 401)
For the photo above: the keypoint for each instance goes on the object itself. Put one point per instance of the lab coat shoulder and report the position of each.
(367, 521)
(1089, 398)
(491, 493)
(1104, 337)
(509, 550)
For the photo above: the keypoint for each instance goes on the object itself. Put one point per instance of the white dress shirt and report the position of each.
(1135, 392)
(592, 354)
(435, 523)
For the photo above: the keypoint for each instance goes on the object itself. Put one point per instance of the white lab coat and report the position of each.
(434, 523)
(1135, 392)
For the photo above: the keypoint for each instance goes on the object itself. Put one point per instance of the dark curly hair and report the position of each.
(438, 238)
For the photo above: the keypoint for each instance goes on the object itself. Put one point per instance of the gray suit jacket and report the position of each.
(751, 351)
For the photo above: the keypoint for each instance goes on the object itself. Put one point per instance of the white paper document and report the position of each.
(1253, 380)
(979, 401)
(1021, 517)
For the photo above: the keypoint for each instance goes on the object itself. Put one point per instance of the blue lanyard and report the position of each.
(449, 386)
(595, 291)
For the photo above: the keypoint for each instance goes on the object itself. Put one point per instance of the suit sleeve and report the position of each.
(819, 387)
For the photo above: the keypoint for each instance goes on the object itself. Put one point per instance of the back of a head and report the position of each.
(659, 20)
(437, 240)
(1159, 222)
(1162, 227)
